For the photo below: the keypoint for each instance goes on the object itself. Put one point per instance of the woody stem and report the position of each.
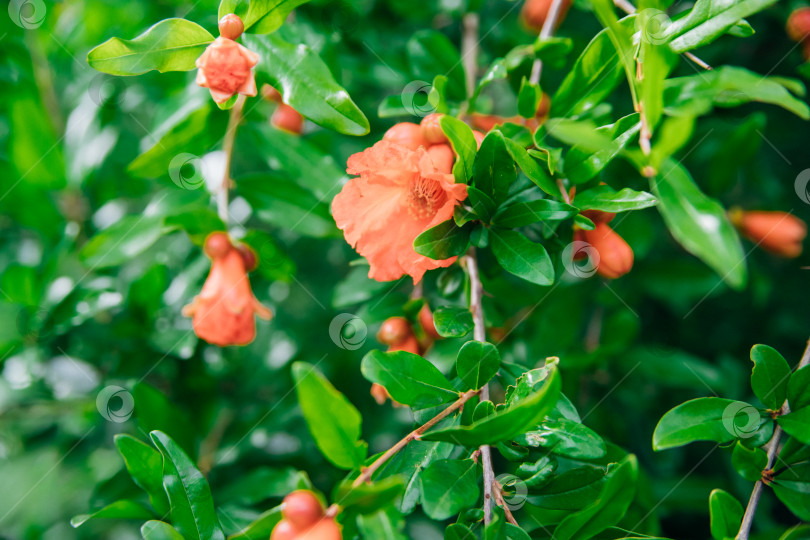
(227, 146)
(480, 334)
(773, 452)
(369, 471)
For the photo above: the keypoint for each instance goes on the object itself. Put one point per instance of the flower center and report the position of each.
(425, 197)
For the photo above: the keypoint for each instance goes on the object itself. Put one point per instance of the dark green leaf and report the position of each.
(386, 524)
(582, 163)
(261, 527)
(726, 514)
(531, 168)
(449, 486)
(797, 424)
(749, 462)
(192, 508)
(706, 419)
(431, 53)
(170, 45)
(522, 257)
(606, 199)
(409, 378)
(443, 241)
(793, 488)
(477, 363)
(145, 465)
(529, 98)
(457, 531)
(463, 142)
(520, 214)
(124, 509)
(566, 438)
(368, 498)
(799, 389)
(494, 169)
(453, 321)
(705, 22)
(769, 378)
(159, 530)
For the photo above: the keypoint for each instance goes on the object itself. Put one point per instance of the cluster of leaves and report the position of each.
(99, 304)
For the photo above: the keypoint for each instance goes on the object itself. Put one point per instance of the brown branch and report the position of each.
(502, 503)
(773, 452)
(369, 471)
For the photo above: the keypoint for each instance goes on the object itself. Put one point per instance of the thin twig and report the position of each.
(227, 146)
(369, 471)
(502, 503)
(480, 334)
(773, 452)
(549, 25)
(469, 50)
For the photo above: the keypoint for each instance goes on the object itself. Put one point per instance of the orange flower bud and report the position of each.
(406, 134)
(271, 94)
(615, 255)
(443, 157)
(394, 330)
(231, 26)
(778, 232)
(432, 130)
(325, 529)
(426, 320)
(287, 119)
(284, 531)
(379, 393)
(217, 245)
(534, 13)
(409, 344)
(301, 509)
(798, 24)
(226, 68)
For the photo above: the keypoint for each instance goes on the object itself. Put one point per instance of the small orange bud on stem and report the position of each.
(231, 26)
(780, 233)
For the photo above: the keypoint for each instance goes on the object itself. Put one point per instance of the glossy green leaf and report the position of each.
(609, 507)
(453, 321)
(463, 142)
(159, 530)
(508, 422)
(797, 424)
(431, 53)
(449, 486)
(482, 204)
(332, 420)
(477, 363)
(457, 531)
(606, 199)
(699, 223)
(261, 527)
(792, 487)
(260, 16)
(565, 438)
(583, 163)
(799, 389)
(306, 84)
(409, 378)
(749, 462)
(192, 508)
(726, 514)
(145, 465)
(522, 257)
(494, 169)
(170, 45)
(531, 167)
(709, 20)
(443, 241)
(123, 509)
(769, 378)
(368, 498)
(529, 98)
(706, 419)
(520, 214)
(386, 524)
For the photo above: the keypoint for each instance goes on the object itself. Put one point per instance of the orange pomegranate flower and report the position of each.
(226, 68)
(222, 314)
(399, 194)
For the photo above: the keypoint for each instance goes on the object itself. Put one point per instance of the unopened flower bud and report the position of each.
(217, 245)
(534, 13)
(615, 255)
(432, 129)
(231, 26)
(778, 232)
(287, 119)
(798, 24)
(394, 330)
(442, 157)
(428, 325)
(406, 134)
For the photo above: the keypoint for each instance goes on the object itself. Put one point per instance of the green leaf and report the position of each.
(477, 363)
(520, 214)
(409, 378)
(728, 86)
(332, 420)
(260, 527)
(799, 389)
(452, 321)
(706, 419)
(170, 45)
(749, 462)
(726, 514)
(606, 199)
(431, 53)
(449, 486)
(192, 508)
(621, 36)
(769, 378)
(565, 438)
(705, 23)
(443, 241)
(463, 142)
(529, 98)
(531, 168)
(699, 223)
(306, 84)
(159, 530)
(261, 16)
(797, 424)
(610, 507)
(522, 257)
(583, 163)
(368, 498)
(457, 531)
(494, 170)
(386, 524)
(792, 487)
(123, 509)
(145, 465)
(123, 241)
(508, 422)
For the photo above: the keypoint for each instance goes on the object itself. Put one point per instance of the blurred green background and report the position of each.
(99, 254)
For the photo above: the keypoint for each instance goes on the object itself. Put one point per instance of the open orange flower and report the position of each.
(399, 194)
(222, 314)
(226, 68)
